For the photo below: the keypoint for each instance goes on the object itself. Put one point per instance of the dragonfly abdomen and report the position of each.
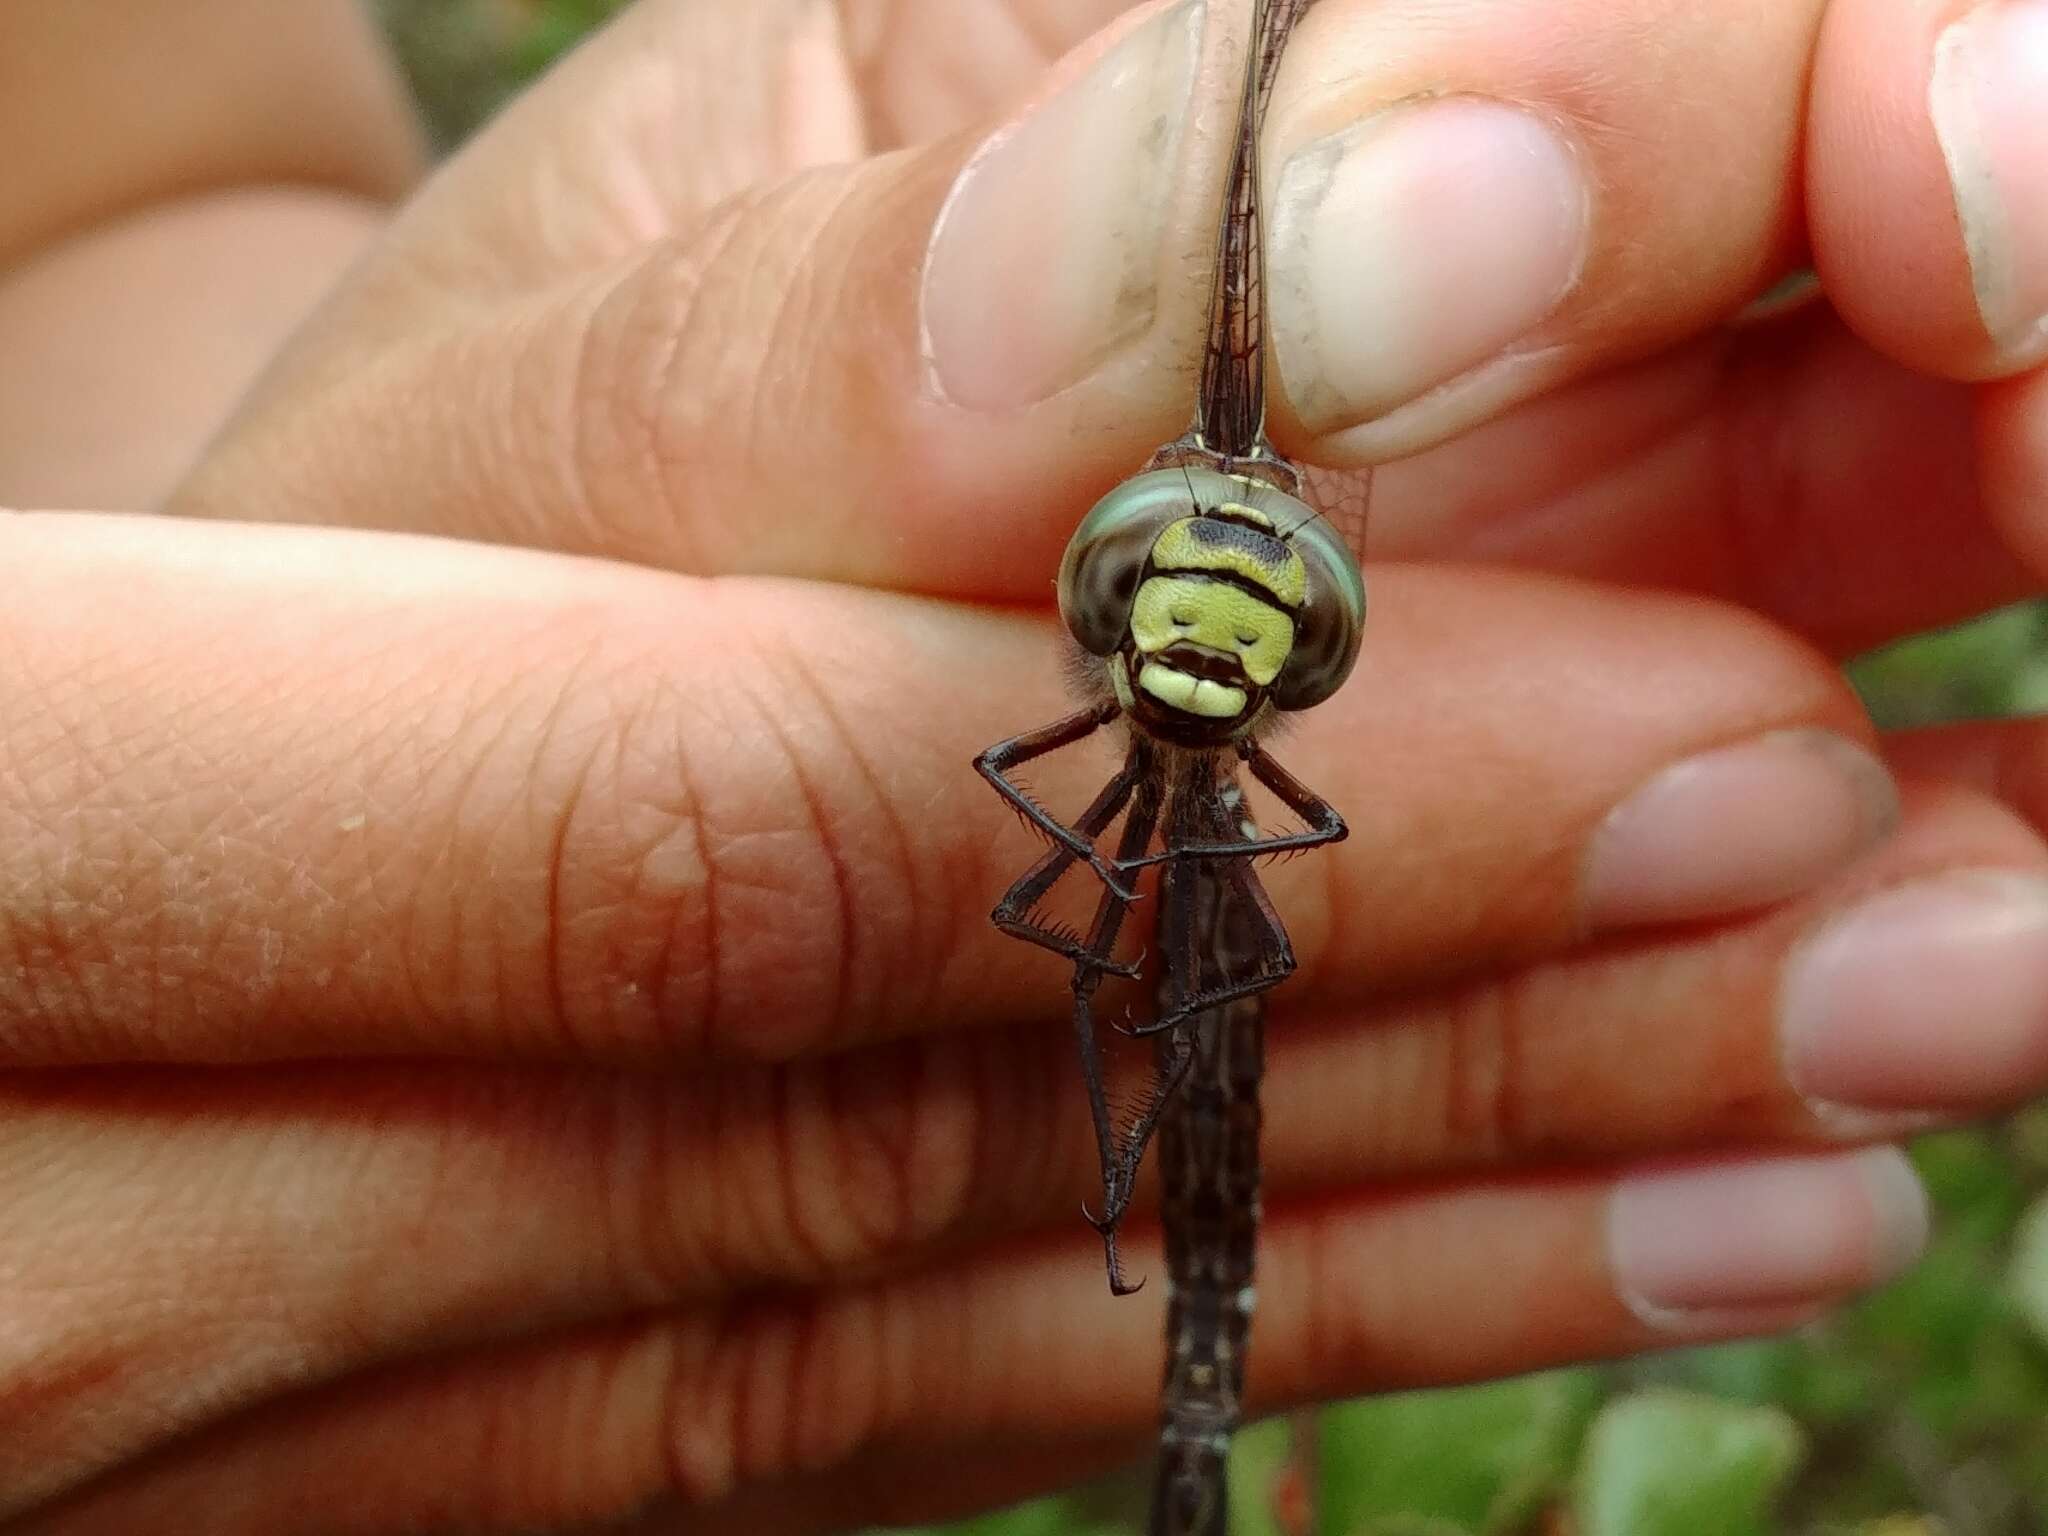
(1209, 1174)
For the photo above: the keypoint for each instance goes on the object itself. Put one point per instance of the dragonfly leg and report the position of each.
(1121, 1157)
(1121, 1163)
(1276, 962)
(1014, 913)
(1117, 1170)
(1324, 824)
(995, 765)
(1120, 1172)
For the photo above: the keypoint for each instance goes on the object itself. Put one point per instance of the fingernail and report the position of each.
(1708, 1249)
(1415, 245)
(1736, 828)
(1926, 998)
(1044, 260)
(1989, 100)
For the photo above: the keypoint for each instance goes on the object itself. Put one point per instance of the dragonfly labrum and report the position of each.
(1205, 598)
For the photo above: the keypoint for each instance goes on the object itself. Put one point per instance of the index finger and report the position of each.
(272, 793)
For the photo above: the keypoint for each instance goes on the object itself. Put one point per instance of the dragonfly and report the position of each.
(1205, 599)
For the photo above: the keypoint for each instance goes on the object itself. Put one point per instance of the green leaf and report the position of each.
(1972, 1181)
(1823, 1386)
(1408, 1525)
(1676, 1464)
(1989, 666)
(1478, 1460)
(1258, 1455)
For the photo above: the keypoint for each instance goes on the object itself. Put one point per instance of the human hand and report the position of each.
(389, 824)
(186, 180)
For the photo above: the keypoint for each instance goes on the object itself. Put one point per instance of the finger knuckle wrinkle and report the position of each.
(898, 1148)
(1365, 1339)
(1315, 1282)
(863, 851)
(830, 1169)
(825, 924)
(1480, 1107)
(725, 866)
(782, 1388)
(664, 1388)
(696, 881)
(650, 396)
(546, 1447)
(631, 931)
(700, 892)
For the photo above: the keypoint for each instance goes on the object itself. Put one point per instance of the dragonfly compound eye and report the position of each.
(1330, 624)
(1106, 557)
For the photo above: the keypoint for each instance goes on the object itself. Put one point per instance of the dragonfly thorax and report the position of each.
(1210, 598)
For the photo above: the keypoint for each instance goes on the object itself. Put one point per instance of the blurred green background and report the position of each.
(1922, 1412)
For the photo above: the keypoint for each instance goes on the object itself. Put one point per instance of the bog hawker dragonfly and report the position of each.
(1206, 598)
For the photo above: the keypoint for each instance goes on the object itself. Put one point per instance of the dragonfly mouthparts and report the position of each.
(1205, 662)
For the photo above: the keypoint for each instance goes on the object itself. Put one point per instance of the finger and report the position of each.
(1606, 201)
(281, 793)
(170, 314)
(1913, 991)
(1930, 217)
(838, 375)
(2005, 759)
(578, 175)
(1929, 213)
(1790, 465)
(186, 1244)
(580, 170)
(1787, 467)
(184, 104)
(1409, 1289)
(2014, 432)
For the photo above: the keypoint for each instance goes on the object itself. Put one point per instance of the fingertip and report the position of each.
(1990, 119)
(1044, 259)
(1736, 828)
(1928, 214)
(1737, 1246)
(1882, 217)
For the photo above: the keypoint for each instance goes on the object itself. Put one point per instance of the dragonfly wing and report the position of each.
(1343, 497)
(1275, 26)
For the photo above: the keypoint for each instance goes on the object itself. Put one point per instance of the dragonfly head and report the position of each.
(1211, 597)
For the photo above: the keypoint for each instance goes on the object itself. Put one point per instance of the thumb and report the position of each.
(676, 106)
(821, 377)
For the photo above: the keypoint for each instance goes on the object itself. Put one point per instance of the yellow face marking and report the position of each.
(1180, 548)
(1196, 695)
(1222, 618)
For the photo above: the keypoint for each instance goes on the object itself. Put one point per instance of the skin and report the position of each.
(499, 1040)
(159, 244)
